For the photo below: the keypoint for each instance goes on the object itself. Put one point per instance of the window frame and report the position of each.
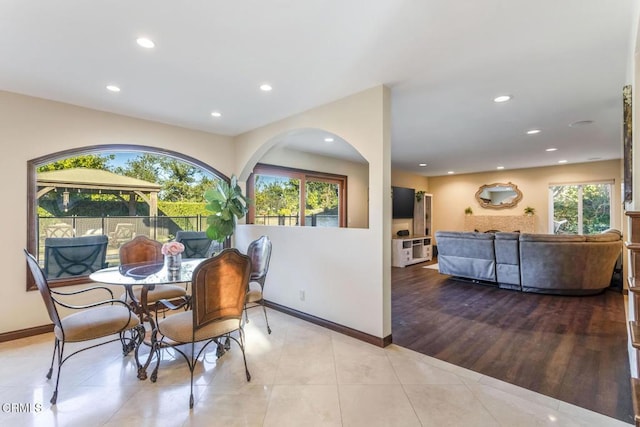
(32, 190)
(303, 175)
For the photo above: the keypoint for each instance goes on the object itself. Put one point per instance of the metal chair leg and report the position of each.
(192, 366)
(241, 342)
(53, 358)
(266, 319)
(54, 398)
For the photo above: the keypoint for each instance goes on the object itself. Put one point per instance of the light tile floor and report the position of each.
(302, 375)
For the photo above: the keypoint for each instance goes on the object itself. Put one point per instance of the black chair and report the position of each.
(219, 286)
(196, 244)
(89, 322)
(260, 253)
(74, 256)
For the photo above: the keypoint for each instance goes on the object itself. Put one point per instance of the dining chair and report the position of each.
(196, 244)
(74, 256)
(217, 301)
(260, 253)
(140, 250)
(89, 321)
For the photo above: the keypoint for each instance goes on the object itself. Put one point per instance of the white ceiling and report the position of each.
(563, 61)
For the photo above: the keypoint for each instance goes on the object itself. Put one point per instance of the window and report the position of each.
(580, 208)
(294, 197)
(110, 193)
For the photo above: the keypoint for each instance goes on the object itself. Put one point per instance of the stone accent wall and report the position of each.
(482, 223)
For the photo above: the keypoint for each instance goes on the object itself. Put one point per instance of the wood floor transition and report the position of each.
(570, 348)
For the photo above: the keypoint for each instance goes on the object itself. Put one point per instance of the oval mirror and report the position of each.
(498, 195)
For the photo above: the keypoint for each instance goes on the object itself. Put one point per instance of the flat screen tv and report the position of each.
(403, 199)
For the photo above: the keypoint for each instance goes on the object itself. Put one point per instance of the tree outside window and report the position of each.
(291, 197)
(581, 208)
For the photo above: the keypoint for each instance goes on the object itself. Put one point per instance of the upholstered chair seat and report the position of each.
(179, 328)
(96, 323)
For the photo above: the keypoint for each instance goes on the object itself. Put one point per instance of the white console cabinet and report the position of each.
(410, 250)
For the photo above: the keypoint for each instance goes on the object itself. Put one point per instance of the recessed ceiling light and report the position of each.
(216, 114)
(145, 42)
(451, 172)
(265, 87)
(422, 165)
(113, 88)
(581, 123)
(562, 161)
(328, 139)
(502, 98)
(533, 131)
(500, 167)
(551, 149)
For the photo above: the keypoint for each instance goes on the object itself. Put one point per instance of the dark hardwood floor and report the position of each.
(570, 348)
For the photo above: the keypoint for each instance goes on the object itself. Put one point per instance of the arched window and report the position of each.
(108, 194)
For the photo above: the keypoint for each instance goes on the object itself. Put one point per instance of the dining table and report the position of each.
(146, 275)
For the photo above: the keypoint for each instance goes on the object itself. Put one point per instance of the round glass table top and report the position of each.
(146, 273)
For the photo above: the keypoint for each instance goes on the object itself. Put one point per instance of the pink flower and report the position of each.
(172, 248)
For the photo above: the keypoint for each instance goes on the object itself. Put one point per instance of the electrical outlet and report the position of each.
(301, 294)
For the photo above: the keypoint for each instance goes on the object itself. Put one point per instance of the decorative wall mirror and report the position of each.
(498, 195)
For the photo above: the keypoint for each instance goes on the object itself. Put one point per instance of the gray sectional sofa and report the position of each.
(545, 263)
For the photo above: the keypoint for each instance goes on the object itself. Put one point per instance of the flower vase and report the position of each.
(173, 264)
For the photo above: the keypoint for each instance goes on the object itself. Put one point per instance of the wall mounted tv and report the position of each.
(403, 199)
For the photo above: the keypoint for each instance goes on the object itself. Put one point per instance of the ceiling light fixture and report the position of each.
(551, 149)
(502, 98)
(422, 165)
(265, 87)
(113, 88)
(451, 172)
(500, 167)
(328, 139)
(563, 161)
(216, 114)
(145, 43)
(533, 131)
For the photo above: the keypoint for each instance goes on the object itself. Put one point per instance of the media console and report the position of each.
(410, 250)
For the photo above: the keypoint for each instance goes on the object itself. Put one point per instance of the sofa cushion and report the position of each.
(508, 259)
(550, 265)
(604, 237)
(466, 254)
(527, 237)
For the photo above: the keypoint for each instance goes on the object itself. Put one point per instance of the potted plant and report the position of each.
(420, 195)
(468, 211)
(529, 211)
(226, 204)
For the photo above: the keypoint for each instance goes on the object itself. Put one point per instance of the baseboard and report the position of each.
(24, 333)
(353, 333)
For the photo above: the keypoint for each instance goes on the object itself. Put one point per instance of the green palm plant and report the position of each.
(227, 204)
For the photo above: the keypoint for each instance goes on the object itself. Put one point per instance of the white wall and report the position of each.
(32, 127)
(346, 273)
